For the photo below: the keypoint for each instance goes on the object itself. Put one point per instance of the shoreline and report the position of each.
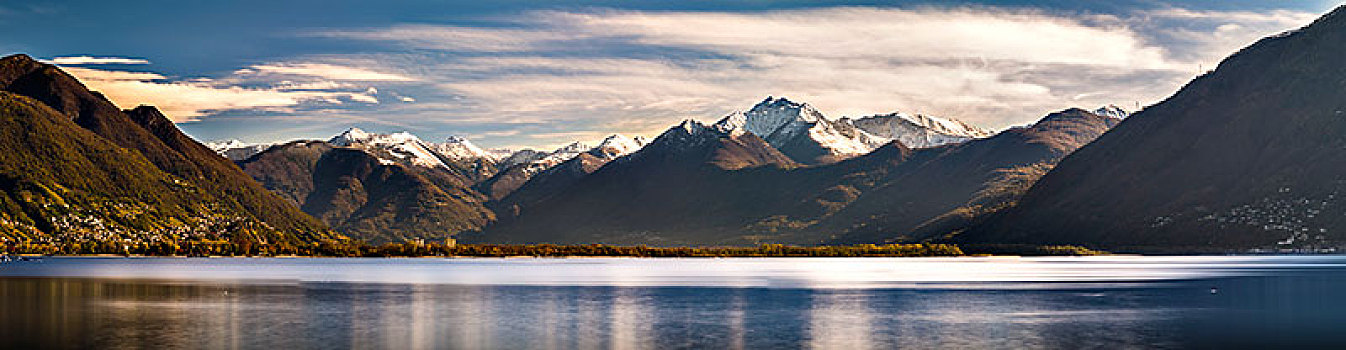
(433, 250)
(451, 249)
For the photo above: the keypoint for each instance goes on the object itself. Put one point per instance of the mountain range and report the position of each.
(396, 187)
(487, 191)
(1247, 156)
(719, 184)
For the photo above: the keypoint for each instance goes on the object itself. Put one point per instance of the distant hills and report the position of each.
(447, 189)
(1250, 155)
(78, 169)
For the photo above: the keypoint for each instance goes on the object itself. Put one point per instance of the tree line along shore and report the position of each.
(451, 249)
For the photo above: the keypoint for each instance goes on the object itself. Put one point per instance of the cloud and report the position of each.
(82, 60)
(874, 33)
(184, 101)
(1205, 37)
(455, 38)
(321, 70)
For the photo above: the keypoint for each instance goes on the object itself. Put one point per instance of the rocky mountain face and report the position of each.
(1246, 156)
(80, 169)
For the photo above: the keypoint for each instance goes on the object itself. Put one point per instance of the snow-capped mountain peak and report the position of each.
(402, 145)
(397, 137)
(617, 145)
(522, 156)
(573, 148)
(688, 126)
(535, 162)
(686, 134)
(221, 145)
(919, 131)
(782, 106)
(772, 116)
(1112, 111)
(350, 136)
(237, 150)
(790, 126)
(459, 148)
(732, 123)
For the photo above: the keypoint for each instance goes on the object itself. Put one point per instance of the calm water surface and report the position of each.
(1094, 302)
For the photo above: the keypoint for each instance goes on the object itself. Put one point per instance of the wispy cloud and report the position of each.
(321, 70)
(81, 60)
(188, 99)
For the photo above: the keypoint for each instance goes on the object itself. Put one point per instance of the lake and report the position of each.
(622, 303)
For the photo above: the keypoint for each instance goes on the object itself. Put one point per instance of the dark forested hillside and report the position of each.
(1249, 155)
(78, 168)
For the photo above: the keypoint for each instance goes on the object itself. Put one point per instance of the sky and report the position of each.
(539, 74)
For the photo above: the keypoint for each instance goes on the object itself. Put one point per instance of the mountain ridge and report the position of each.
(263, 216)
(1248, 155)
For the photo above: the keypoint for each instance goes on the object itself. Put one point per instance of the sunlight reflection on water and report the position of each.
(999, 273)
(1109, 302)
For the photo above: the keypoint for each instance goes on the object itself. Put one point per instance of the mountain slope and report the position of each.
(63, 183)
(519, 168)
(212, 180)
(656, 195)
(368, 197)
(561, 176)
(1247, 156)
(959, 175)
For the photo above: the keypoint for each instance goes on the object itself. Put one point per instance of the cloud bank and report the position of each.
(186, 100)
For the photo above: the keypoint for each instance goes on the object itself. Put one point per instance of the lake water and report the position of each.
(741, 303)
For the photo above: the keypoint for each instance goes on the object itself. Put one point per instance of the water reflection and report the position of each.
(1297, 307)
(840, 321)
